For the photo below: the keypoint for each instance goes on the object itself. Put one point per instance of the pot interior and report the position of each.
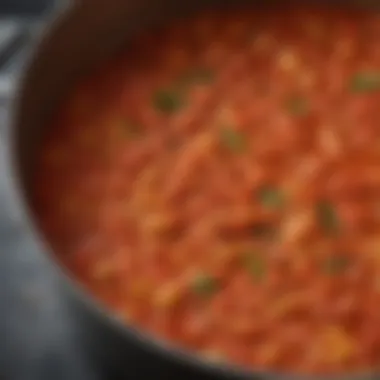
(82, 37)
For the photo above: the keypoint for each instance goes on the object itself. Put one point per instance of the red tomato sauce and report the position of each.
(218, 185)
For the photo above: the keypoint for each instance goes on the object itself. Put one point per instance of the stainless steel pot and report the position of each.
(82, 35)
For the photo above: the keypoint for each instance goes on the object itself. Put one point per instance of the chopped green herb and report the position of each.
(200, 75)
(271, 198)
(233, 140)
(167, 101)
(204, 285)
(327, 217)
(335, 264)
(297, 106)
(255, 265)
(365, 82)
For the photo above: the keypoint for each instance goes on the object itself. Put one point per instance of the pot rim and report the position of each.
(161, 347)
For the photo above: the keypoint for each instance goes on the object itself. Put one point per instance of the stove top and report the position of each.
(38, 340)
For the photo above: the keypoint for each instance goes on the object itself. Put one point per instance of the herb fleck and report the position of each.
(365, 82)
(297, 106)
(335, 264)
(255, 265)
(204, 285)
(327, 217)
(233, 140)
(167, 101)
(271, 198)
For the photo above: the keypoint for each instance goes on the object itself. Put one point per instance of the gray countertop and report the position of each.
(38, 339)
(37, 336)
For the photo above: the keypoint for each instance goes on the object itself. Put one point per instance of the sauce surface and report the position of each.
(218, 185)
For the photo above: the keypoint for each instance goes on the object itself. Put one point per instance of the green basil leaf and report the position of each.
(255, 265)
(335, 265)
(327, 218)
(168, 101)
(271, 198)
(233, 140)
(204, 285)
(297, 106)
(365, 82)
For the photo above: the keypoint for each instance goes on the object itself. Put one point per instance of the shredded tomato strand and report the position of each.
(218, 184)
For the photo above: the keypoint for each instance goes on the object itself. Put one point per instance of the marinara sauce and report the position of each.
(218, 185)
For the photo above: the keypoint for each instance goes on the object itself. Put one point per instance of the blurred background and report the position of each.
(37, 339)
(23, 6)
(18, 19)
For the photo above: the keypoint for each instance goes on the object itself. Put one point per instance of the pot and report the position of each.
(84, 34)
